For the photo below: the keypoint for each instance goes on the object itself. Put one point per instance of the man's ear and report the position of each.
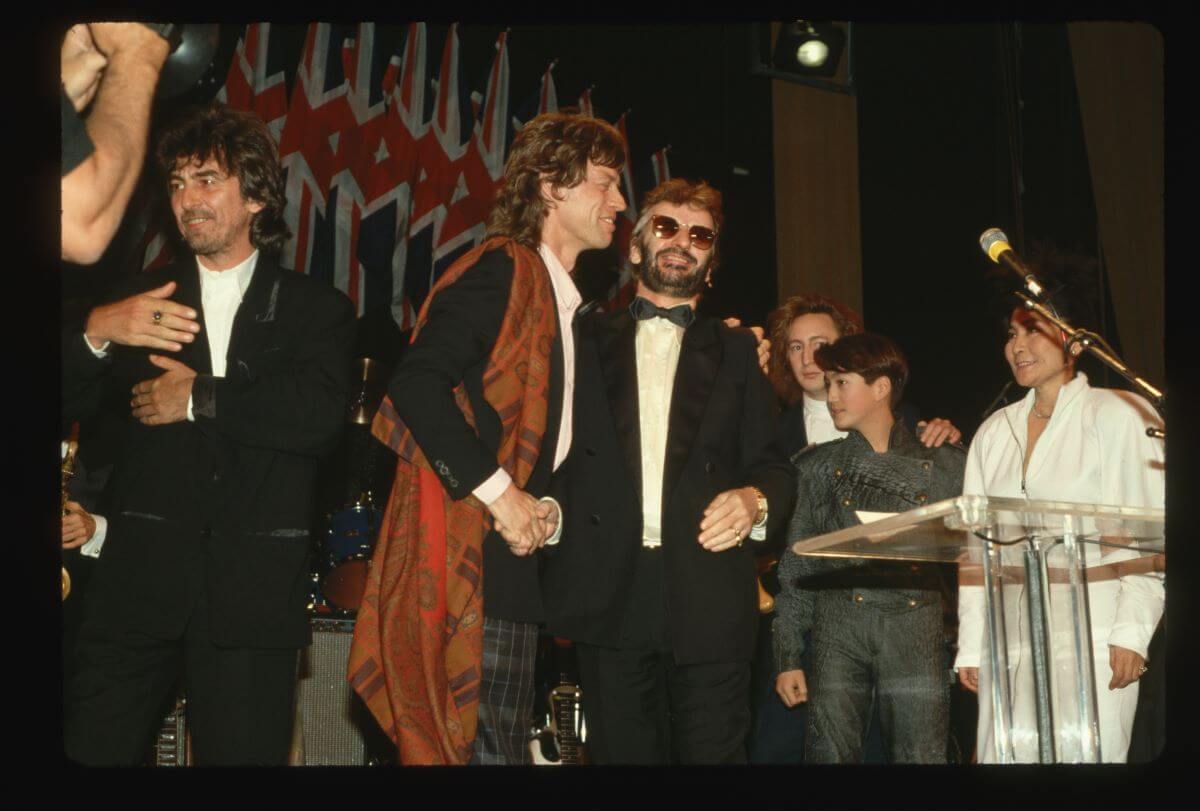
(881, 389)
(635, 251)
(254, 206)
(546, 188)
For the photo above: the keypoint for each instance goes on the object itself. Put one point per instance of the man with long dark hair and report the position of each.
(210, 496)
(479, 412)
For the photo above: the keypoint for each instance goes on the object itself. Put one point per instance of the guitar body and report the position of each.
(559, 741)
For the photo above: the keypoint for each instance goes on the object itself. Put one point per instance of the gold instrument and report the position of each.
(766, 603)
(68, 471)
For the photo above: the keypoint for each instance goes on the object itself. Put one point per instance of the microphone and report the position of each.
(995, 245)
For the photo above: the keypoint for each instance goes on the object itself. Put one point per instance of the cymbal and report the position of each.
(190, 60)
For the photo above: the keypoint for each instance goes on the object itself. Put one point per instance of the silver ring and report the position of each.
(157, 316)
(1143, 670)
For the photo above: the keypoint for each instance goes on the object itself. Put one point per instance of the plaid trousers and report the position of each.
(506, 693)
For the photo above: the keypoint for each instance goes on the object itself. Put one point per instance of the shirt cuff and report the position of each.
(759, 531)
(191, 417)
(102, 352)
(557, 536)
(92, 548)
(493, 486)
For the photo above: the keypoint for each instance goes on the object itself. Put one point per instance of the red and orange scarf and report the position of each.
(418, 640)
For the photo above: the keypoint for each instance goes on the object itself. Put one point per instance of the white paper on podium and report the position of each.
(867, 517)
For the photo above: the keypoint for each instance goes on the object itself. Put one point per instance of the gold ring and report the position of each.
(1143, 670)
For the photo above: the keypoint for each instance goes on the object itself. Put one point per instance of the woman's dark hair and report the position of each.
(1071, 281)
(870, 355)
(243, 146)
(554, 147)
(780, 321)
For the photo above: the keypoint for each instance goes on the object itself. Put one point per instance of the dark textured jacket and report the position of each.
(834, 480)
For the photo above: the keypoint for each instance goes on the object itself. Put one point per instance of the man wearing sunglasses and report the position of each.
(671, 471)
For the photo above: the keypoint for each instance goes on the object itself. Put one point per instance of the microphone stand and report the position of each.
(1080, 339)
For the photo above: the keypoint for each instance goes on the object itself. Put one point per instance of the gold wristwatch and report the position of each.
(761, 515)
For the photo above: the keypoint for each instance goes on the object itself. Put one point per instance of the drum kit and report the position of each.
(343, 555)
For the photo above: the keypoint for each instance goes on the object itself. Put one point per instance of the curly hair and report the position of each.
(555, 147)
(243, 146)
(695, 194)
(870, 355)
(780, 321)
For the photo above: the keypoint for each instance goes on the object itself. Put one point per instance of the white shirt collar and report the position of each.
(564, 286)
(816, 408)
(242, 272)
(1066, 395)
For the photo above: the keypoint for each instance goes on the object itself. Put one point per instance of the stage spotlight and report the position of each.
(809, 49)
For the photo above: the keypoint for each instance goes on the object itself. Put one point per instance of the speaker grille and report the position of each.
(332, 718)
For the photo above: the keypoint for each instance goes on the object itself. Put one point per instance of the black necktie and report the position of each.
(681, 314)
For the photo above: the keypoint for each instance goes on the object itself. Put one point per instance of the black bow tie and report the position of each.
(681, 314)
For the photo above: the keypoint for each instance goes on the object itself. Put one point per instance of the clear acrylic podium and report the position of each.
(1033, 560)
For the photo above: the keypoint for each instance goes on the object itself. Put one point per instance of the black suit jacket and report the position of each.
(222, 504)
(719, 438)
(453, 346)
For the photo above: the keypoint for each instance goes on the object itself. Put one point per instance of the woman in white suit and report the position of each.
(1067, 441)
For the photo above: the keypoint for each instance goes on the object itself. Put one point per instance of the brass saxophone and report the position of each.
(68, 470)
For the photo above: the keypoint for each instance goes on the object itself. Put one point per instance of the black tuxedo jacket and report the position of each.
(223, 503)
(453, 346)
(719, 438)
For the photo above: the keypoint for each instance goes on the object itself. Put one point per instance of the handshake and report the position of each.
(525, 523)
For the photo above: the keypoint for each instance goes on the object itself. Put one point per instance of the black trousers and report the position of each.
(643, 708)
(240, 700)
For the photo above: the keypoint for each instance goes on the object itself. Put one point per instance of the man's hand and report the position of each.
(519, 518)
(131, 321)
(728, 519)
(165, 398)
(969, 677)
(791, 687)
(548, 511)
(1126, 667)
(764, 343)
(936, 432)
(78, 526)
(82, 66)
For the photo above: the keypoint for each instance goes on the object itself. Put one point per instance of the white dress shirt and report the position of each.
(221, 293)
(818, 422)
(657, 350)
(567, 298)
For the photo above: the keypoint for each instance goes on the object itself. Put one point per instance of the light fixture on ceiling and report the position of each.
(808, 48)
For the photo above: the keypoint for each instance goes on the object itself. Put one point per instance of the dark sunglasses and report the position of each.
(666, 227)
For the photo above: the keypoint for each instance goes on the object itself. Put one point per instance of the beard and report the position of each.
(212, 240)
(674, 283)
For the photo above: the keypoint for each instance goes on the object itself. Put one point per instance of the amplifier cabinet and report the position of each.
(333, 727)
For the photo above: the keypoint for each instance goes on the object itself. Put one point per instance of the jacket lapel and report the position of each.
(618, 361)
(196, 355)
(699, 359)
(256, 310)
